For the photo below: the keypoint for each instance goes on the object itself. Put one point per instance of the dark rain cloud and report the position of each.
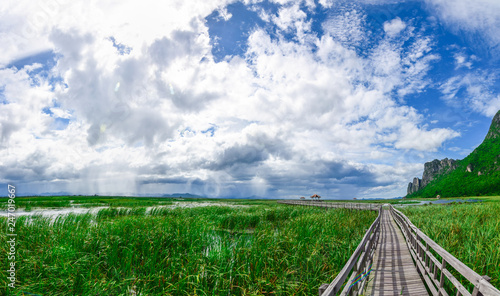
(162, 180)
(7, 128)
(257, 149)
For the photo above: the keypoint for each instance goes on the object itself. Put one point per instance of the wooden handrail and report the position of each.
(361, 260)
(420, 246)
(321, 204)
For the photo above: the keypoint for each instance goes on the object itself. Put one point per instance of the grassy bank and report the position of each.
(87, 201)
(470, 232)
(257, 250)
(35, 202)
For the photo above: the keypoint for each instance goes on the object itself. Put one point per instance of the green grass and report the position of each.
(470, 232)
(87, 201)
(258, 250)
(33, 202)
(488, 198)
(374, 201)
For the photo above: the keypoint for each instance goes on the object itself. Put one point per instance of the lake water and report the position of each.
(438, 201)
(50, 212)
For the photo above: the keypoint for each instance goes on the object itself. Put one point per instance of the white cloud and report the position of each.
(347, 27)
(291, 19)
(482, 16)
(403, 64)
(472, 91)
(412, 137)
(327, 3)
(394, 27)
(461, 60)
(29, 24)
(282, 115)
(224, 14)
(60, 113)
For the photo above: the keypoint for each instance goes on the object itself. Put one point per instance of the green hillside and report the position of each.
(483, 176)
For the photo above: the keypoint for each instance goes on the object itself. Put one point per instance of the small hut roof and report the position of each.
(315, 195)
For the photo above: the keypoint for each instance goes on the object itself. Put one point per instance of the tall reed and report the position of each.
(255, 250)
(470, 232)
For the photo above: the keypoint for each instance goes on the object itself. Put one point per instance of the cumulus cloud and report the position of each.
(292, 19)
(394, 27)
(424, 140)
(289, 116)
(224, 14)
(482, 16)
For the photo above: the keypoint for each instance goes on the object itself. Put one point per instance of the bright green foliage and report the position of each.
(470, 232)
(485, 159)
(253, 250)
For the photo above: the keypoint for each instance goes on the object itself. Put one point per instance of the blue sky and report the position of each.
(242, 98)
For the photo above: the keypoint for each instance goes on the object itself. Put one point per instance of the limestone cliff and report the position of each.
(415, 185)
(436, 167)
(431, 170)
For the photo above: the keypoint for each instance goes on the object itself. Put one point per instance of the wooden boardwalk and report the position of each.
(396, 258)
(393, 271)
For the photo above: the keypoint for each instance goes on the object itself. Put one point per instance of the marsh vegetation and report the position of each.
(262, 249)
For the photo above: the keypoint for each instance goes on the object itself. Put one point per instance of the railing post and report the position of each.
(354, 271)
(426, 255)
(413, 239)
(417, 250)
(322, 289)
(441, 280)
(476, 289)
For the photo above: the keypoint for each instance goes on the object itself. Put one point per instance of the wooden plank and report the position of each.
(393, 270)
(396, 232)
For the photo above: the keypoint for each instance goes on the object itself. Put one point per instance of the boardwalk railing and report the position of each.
(328, 205)
(359, 265)
(435, 271)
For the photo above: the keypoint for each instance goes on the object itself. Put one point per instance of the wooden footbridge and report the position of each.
(396, 258)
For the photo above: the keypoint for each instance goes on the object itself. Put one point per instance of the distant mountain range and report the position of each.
(173, 195)
(183, 195)
(477, 174)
